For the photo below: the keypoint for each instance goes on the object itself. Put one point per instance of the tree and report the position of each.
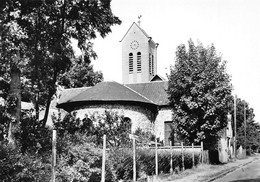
(52, 25)
(81, 74)
(247, 133)
(36, 35)
(199, 92)
(12, 50)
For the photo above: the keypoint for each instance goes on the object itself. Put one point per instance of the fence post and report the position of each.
(193, 155)
(182, 156)
(171, 170)
(104, 160)
(202, 154)
(53, 155)
(156, 158)
(134, 160)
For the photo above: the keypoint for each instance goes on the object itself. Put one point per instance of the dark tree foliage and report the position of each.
(81, 74)
(199, 93)
(248, 133)
(36, 37)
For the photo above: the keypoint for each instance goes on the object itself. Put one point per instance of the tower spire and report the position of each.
(139, 20)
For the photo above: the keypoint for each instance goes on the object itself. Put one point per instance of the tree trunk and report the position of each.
(14, 103)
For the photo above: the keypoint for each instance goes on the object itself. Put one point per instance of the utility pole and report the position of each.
(104, 160)
(245, 122)
(235, 126)
(53, 160)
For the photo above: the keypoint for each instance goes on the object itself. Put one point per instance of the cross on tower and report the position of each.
(139, 19)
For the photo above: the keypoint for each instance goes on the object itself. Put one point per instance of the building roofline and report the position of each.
(150, 38)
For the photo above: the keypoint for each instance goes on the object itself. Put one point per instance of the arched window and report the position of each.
(127, 124)
(131, 63)
(139, 62)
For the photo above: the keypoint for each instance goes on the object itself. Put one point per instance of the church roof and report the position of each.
(154, 91)
(70, 93)
(106, 91)
(157, 78)
(139, 28)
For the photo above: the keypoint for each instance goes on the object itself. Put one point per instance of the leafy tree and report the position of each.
(199, 92)
(252, 128)
(116, 128)
(12, 50)
(81, 74)
(36, 35)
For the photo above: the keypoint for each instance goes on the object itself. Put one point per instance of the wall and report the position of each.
(141, 117)
(164, 114)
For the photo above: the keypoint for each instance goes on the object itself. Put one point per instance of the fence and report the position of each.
(152, 160)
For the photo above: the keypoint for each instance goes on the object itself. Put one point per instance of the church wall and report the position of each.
(164, 114)
(141, 117)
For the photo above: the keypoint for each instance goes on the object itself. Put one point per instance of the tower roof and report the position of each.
(134, 24)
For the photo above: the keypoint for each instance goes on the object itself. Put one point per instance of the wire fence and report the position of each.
(135, 162)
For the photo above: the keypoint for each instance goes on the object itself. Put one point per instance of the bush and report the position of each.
(80, 159)
(122, 160)
(18, 167)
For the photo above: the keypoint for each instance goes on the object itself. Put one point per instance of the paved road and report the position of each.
(249, 172)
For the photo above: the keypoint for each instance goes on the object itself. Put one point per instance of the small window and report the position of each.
(150, 63)
(131, 63)
(139, 62)
(152, 66)
(168, 133)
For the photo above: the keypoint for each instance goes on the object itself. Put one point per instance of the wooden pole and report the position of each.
(156, 158)
(134, 160)
(171, 170)
(245, 123)
(104, 160)
(53, 162)
(202, 154)
(182, 156)
(235, 126)
(193, 156)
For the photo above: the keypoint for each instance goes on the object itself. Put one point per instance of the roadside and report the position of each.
(207, 173)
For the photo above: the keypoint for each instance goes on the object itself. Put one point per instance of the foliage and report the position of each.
(252, 128)
(81, 74)
(36, 39)
(32, 137)
(110, 123)
(115, 126)
(80, 159)
(144, 137)
(80, 141)
(122, 160)
(18, 167)
(199, 92)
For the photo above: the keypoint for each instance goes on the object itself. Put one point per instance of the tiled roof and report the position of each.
(106, 91)
(67, 94)
(154, 91)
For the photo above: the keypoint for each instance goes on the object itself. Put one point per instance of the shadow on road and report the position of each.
(247, 180)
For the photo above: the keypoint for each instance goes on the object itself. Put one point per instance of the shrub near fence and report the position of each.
(122, 160)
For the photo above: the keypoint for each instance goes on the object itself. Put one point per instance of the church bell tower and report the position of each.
(139, 56)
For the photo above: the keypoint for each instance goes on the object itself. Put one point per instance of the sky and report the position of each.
(233, 26)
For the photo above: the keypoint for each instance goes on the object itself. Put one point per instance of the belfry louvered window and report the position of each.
(131, 63)
(139, 62)
(151, 64)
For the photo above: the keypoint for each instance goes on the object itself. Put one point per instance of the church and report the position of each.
(142, 96)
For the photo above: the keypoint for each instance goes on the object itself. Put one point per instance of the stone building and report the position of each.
(141, 97)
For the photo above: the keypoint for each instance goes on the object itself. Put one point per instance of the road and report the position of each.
(249, 172)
